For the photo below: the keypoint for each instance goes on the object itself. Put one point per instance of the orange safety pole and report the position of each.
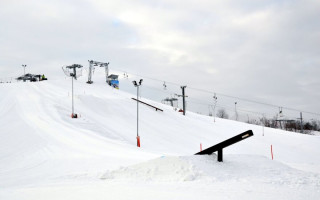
(138, 141)
(271, 153)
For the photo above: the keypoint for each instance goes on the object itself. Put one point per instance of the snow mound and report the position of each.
(235, 168)
(165, 169)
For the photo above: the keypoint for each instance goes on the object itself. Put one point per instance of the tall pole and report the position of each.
(72, 97)
(301, 126)
(214, 108)
(263, 124)
(137, 85)
(90, 71)
(73, 75)
(137, 111)
(24, 69)
(235, 110)
(106, 70)
(183, 100)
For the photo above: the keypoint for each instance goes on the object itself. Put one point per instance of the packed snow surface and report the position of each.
(45, 154)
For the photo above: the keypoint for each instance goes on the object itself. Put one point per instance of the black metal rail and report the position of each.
(147, 104)
(219, 147)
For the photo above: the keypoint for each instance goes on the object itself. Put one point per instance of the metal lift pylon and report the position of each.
(91, 67)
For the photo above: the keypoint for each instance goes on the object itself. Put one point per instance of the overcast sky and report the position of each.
(266, 50)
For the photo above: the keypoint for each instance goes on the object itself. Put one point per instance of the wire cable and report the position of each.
(221, 94)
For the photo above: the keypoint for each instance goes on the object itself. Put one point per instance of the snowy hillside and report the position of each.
(45, 154)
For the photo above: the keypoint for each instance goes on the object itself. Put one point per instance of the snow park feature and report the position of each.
(156, 108)
(219, 147)
(44, 154)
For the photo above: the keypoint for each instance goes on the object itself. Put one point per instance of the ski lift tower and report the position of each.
(171, 100)
(92, 64)
(71, 71)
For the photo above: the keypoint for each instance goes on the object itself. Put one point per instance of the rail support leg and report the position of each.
(220, 155)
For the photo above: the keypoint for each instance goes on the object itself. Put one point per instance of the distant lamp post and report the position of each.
(215, 98)
(235, 110)
(137, 85)
(24, 69)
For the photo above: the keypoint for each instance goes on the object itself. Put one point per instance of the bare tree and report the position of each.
(222, 113)
(315, 125)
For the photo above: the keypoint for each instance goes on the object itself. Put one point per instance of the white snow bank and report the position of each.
(161, 169)
(249, 169)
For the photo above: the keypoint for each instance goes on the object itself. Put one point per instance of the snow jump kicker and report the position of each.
(219, 147)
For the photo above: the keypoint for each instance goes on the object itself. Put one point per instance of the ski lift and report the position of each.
(215, 97)
(164, 85)
(280, 112)
(125, 75)
(170, 100)
(92, 65)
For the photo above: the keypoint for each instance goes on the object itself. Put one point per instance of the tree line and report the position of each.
(305, 127)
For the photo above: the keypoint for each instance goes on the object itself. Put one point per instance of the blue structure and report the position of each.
(114, 84)
(113, 81)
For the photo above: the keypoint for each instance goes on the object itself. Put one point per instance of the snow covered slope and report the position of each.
(45, 154)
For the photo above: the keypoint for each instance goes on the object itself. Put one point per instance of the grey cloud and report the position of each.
(264, 50)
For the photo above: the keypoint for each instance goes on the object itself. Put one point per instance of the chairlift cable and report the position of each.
(224, 95)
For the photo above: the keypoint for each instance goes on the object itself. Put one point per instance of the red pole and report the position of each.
(200, 147)
(138, 141)
(271, 153)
